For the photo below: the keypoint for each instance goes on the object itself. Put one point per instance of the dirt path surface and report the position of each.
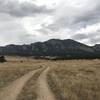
(13, 90)
(44, 92)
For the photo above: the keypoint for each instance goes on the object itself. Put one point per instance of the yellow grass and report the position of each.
(15, 68)
(76, 79)
(68, 79)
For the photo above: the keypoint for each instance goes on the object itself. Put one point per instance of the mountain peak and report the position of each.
(52, 40)
(67, 48)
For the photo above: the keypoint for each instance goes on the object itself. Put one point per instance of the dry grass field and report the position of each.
(76, 79)
(14, 68)
(68, 79)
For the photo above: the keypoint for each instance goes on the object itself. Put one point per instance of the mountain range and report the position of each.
(53, 48)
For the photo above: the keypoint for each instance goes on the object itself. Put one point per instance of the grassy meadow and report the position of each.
(68, 79)
(75, 79)
(14, 68)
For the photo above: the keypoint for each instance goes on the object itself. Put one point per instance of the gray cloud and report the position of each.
(95, 40)
(89, 38)
(11, 31)
(66, 20)
(79, 36)
(14, 8)
(76, 17)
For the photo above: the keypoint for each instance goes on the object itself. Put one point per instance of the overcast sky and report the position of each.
(28, 21)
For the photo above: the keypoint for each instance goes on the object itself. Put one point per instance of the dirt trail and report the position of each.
(44, 92)
(12, 91)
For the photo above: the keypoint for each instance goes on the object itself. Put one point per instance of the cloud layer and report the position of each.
(32, 20)
(17, 9)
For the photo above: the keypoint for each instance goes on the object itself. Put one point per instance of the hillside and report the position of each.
(53, 48)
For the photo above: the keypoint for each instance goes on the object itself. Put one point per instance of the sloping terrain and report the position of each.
(68, 49)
